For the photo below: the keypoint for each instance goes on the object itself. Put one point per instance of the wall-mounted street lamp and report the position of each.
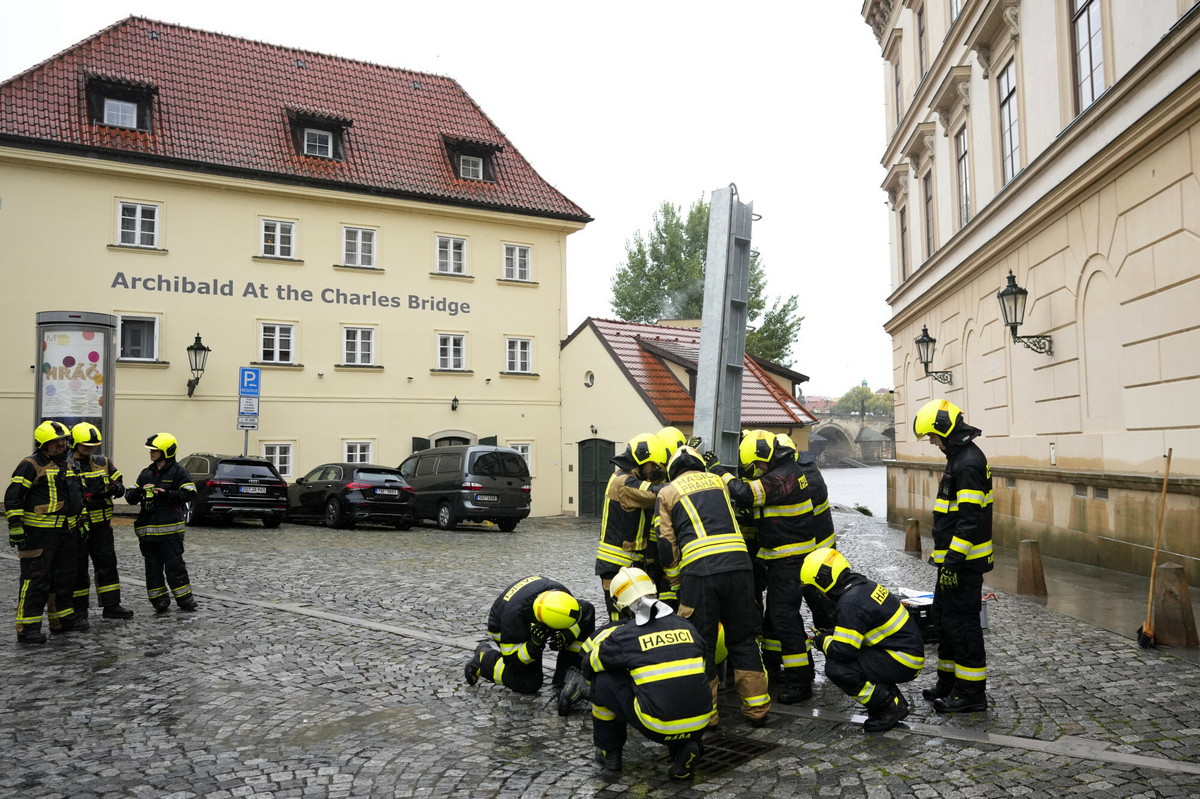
(925, 344)
(1012, 300)
(454, 403)
(197, 358)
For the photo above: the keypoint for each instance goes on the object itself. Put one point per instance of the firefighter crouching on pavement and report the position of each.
(101, 482)
(962, 551)
(163, 489)
(43, 505)
(701, 548)
(647, 670)
(791, 513)
(875, 643)
(528, 616)
(625, 532)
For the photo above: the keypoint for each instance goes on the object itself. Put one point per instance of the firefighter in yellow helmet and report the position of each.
(529, 615)
(163, 489)
(625, 525)
(962, 551)
(43, 505)
(647, 671)
(101, 482)
(874, 644)
(790, 504)
(672, 439)
(701, 549)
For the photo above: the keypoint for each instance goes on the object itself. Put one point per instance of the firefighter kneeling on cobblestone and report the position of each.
(101, 482)
(163, 489)
(648, 671)
(528, 616)
(875, 643)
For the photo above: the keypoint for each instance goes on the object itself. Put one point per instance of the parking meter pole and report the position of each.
(245, 442)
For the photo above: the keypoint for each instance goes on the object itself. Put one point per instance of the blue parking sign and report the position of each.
(249, 380)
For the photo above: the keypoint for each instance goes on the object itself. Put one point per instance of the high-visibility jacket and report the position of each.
(512, 615)
(791, 509)
(43, 494)
(962, 512)
(625, 524)
(101, 482)
(697, 530)
(869, 615)
(164, 513)
(665, 659)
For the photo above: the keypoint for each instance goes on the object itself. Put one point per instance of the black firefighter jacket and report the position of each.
(962, 512)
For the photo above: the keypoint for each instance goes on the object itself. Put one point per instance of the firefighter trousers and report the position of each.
(787, 634)
(613, 709)
(47, 577)
(98, 546)
(164, 555)
(871, 678)
(524, 678)
(962, 661)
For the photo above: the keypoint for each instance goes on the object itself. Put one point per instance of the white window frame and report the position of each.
(962, 173)
(1010, 134)
(517, 262)
(279, 453)
(145, 223)
(518, 349)
(526, 450)
(358, 345)
(318, 143)
(354, 451)
(358, 246)
(120, 113)
(155, 324)
(284, 243)
(451, 255)
(1090, 86)
(452, 352)
(277, 331)
(470, 167)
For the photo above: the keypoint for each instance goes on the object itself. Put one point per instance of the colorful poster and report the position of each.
(72, 373)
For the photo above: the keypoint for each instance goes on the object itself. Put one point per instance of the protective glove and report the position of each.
(116, 489)
(559, 641)
(711, 460)
(16, 537)
(948, 578)
(539, 634)
(819, 638)
(84, 527)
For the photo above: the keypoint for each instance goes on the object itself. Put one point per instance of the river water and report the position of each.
(867, 487)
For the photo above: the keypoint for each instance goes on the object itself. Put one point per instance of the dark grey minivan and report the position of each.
(469, 483)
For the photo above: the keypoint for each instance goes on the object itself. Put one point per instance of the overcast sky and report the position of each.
(624, 105)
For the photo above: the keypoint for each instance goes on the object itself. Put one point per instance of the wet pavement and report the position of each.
(328, 663)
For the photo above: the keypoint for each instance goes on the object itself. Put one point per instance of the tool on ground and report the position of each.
(1145, 633)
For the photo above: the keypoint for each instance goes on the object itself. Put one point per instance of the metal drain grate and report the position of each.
(723, 752)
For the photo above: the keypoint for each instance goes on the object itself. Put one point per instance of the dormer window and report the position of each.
(120, 102)
(470, 167)
(318, 142)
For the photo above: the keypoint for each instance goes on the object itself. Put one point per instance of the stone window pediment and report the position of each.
(877, 14)
(919, 145)
(896, 184)
(953, 95)
(997, 25)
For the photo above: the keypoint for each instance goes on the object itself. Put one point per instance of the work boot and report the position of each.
(74, 624)
(683, 759)
(186, 603)
(886, 714)
(31, 635)
(161, 605)
(940, 690)
(575, 689)
(792, 694)
(957, 703)
(609, 760)
(471, 669)
(757, 723)
(116, 612)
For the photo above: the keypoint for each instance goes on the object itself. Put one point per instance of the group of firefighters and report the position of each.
(59, 508)
(705, 565)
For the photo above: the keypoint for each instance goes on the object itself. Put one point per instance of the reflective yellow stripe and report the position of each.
(973, 497)
(788, 510)
(667, 670)
(614, 555)
(498, 672)
(970, 674)
(864, 695)
(946, 666)
(603, 713)
(912, 661)
(712, 545)
(104, 589)
(794, 661)
(22, 481)
(887, 628)
(770, 645)
(971, 551)
(938, 555)
(673, 726)
(758, 700)
(847, 636)
(592, 647)
(794, 550)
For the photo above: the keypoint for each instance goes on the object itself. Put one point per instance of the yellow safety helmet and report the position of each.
(672, 439)
(49, 431)
(86, 434)
(756, 451)
(937, 416)
(648, 448)
(164, 442)
(784, 442)
(822, 568)
(685, 459)
(630, 585)
(556, 609)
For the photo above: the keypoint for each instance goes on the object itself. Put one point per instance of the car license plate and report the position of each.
(253, 489)
(388, 492)
(486, 498)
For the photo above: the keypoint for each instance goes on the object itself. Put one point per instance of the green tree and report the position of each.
(663, 278)
(854, 401)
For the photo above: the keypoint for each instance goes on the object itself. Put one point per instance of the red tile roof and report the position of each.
(222, 104)
(636, 346)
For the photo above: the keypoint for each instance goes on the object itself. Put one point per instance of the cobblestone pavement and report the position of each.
(328, 663)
